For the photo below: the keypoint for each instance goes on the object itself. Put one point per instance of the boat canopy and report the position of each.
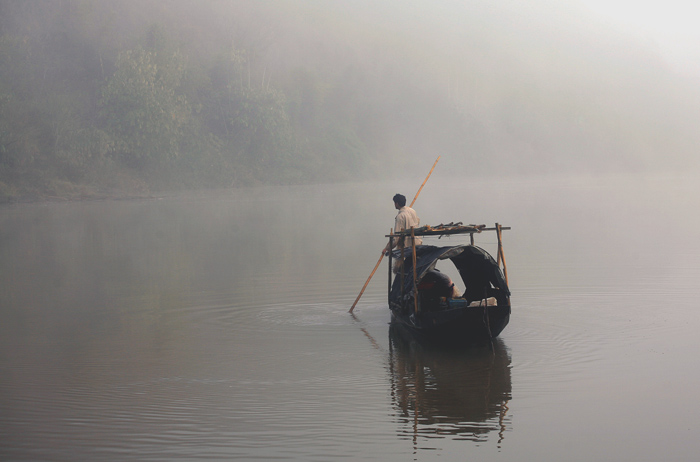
(479, 271)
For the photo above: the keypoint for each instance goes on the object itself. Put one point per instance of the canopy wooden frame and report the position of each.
(444, 230)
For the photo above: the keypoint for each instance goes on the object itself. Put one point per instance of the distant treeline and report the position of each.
(111, 96)
(132, 96)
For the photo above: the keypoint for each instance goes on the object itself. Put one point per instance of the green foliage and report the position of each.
(142, 110)
(260, 127)
(81, 106)
(146, 94)
(251, 120)
(19, 134)
(84, 151)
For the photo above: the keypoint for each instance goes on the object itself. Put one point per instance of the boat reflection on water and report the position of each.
(439, 393)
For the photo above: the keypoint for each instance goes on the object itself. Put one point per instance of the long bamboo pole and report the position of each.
(382, 255)
(366, 283)
(426, 180)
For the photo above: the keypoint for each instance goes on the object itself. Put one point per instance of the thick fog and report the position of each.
(293, 91)
(531, 86)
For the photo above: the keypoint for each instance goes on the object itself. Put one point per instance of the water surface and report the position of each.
(215, 327)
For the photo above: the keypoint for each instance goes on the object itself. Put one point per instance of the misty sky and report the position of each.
(672, 25)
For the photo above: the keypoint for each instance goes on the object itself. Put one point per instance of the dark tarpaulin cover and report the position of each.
(479, 271)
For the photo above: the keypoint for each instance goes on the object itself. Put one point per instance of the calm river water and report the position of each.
(215, 327)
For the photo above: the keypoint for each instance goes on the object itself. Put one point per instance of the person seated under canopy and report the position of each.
(435, 285)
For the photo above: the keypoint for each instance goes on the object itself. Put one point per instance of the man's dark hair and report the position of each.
(400, 199)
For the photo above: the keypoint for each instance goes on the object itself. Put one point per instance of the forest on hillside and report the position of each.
(102, 97)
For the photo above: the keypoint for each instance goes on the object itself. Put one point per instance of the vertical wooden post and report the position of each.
(498, 251)
(401, 269)
(415, 277)
(501, 255)
(391, 234)
(471, 238)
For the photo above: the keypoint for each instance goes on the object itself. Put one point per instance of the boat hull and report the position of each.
(459, 326)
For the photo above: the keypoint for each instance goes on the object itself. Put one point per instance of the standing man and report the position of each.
(405, 219)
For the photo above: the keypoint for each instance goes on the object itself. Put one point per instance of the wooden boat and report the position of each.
(423, 300)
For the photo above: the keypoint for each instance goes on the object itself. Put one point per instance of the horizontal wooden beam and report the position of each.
(438, 231)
